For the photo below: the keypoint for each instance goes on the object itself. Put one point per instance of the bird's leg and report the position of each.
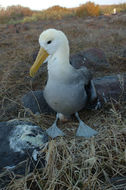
(84, 130)
(63, 118)
(54, 131)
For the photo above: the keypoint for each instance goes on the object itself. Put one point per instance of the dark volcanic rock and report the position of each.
(20, 142)
(111, 88)
(35, 101)
(124, 53)
(93, 59)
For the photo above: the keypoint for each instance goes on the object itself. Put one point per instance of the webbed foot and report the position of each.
(84, 130)
(54, 131)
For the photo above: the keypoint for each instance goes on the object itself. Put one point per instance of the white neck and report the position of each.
(58, 64)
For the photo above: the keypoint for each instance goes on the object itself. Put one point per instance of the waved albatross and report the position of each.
(68, 89)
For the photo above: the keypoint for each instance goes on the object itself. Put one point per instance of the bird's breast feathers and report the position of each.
(63, 98)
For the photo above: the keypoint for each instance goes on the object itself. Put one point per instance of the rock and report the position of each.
(108, 88)
(124, 53)
(20, 144)
(35, 101)
(111, 88)
(93, 59)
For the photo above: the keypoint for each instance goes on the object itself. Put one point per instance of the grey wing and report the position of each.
(91, 92)
(89, 84)
(86, 74)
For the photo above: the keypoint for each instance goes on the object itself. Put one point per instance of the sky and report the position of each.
(43, 4)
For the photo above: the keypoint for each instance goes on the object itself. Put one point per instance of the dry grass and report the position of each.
(77, 163)
(72, 163)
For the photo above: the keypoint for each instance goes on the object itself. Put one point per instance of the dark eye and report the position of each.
(49, 42)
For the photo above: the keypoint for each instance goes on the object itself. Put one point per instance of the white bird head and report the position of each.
(52, 42)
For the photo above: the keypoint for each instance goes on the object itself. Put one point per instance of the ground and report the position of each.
(73, 163)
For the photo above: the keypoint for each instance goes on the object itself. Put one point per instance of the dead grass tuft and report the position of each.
(77, 163)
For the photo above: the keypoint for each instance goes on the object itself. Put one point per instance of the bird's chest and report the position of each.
(63, 97)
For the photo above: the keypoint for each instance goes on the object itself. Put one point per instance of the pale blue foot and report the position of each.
(84, 130)
(54, 131)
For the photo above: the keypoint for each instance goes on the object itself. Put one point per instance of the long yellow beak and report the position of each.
(42, 55)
